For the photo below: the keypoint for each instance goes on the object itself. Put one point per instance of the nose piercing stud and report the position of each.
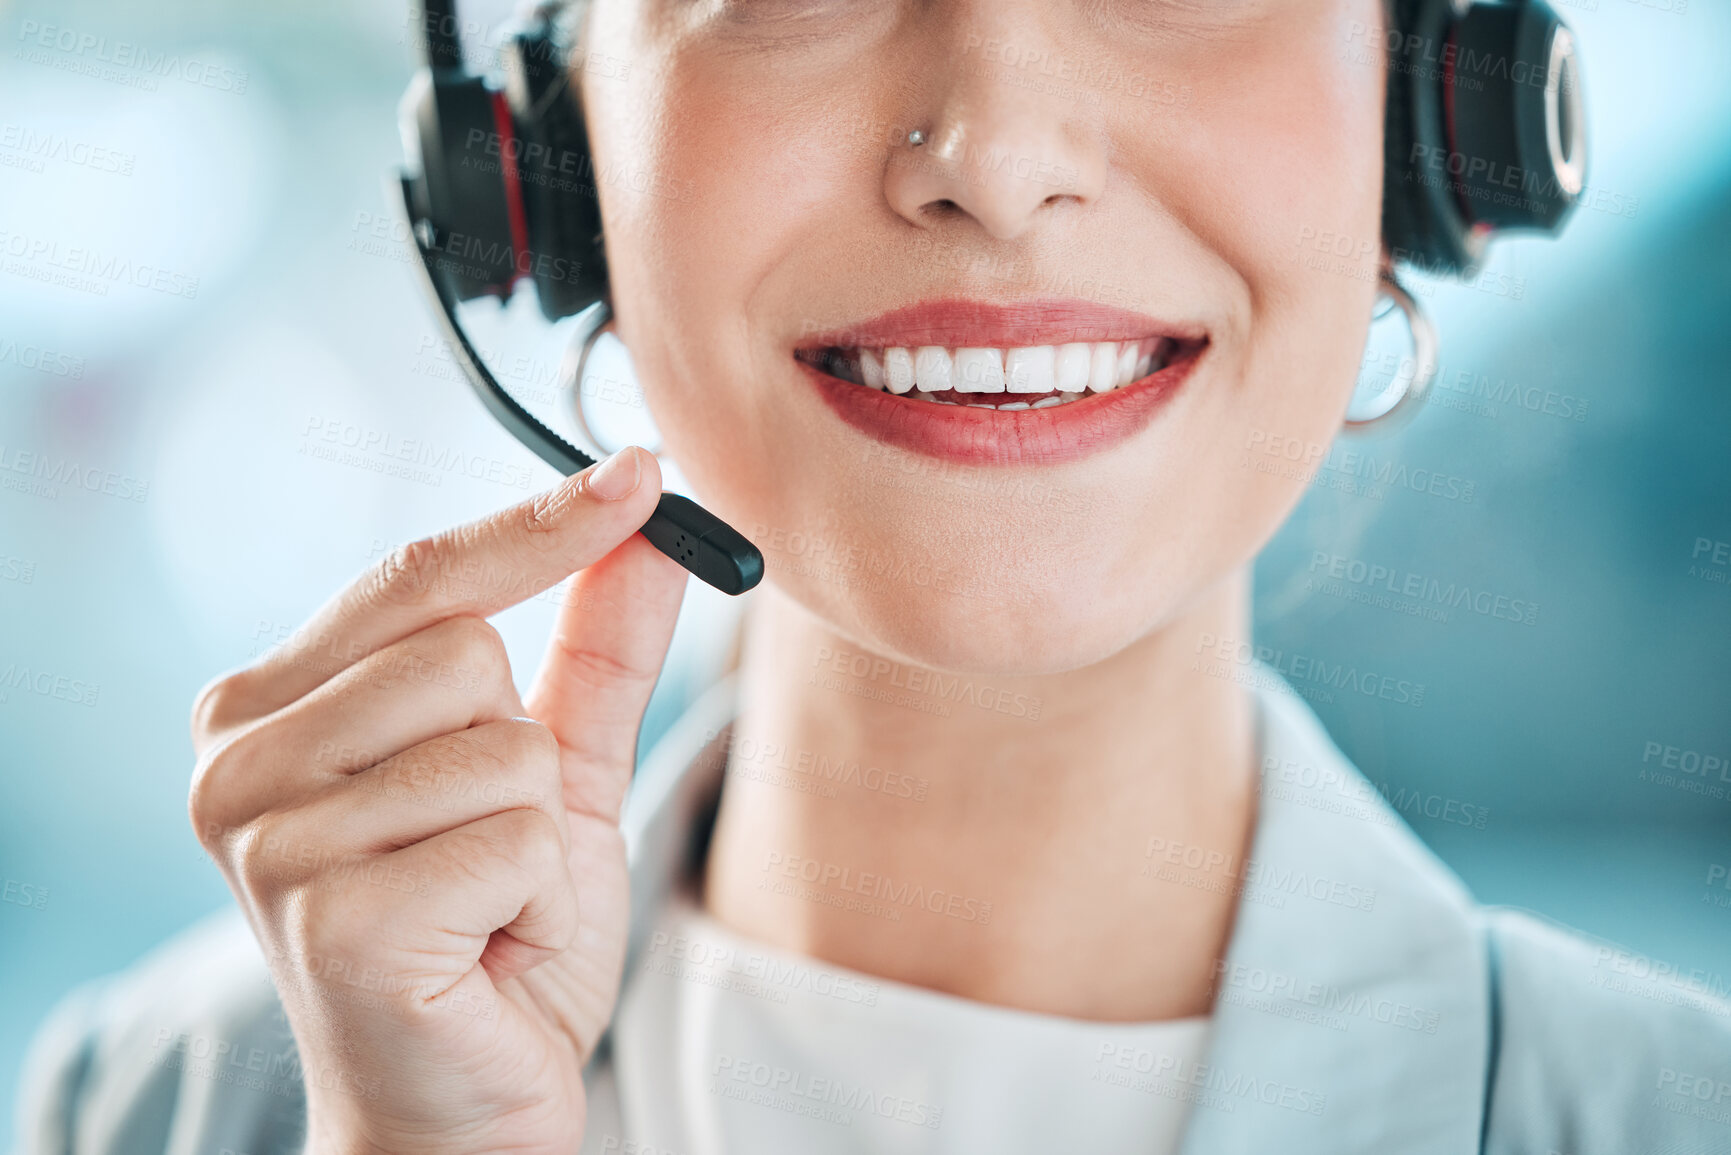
(916, 138)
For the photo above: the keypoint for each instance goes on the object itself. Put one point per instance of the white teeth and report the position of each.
(1055, 373)
(871, 369)
(1031, 370)
(1071, 373)
(1103, 367)
(977, 371)
(899, 370)
(932, 366)
(1127, 362)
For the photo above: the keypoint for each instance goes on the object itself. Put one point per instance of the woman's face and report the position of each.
(1106, 186)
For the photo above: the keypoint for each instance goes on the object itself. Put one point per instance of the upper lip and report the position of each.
(956, 323)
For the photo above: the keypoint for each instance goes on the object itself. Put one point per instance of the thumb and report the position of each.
(608, 645)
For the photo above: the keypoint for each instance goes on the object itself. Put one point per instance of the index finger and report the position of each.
(477, 569)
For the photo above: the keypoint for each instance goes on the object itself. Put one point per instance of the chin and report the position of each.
(1050, 632)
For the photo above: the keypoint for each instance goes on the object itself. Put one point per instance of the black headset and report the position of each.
(1484, 134)
(500, 188)
(1485, 131)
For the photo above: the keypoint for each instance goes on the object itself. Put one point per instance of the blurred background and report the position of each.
(1560, 755)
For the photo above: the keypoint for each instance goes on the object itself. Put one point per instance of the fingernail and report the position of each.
(617, 477)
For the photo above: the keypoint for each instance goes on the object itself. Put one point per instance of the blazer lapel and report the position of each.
(1352, 1010)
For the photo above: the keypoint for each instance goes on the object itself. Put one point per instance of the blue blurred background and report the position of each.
(1585, 402)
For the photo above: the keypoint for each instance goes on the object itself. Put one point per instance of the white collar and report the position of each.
(1353, 1009)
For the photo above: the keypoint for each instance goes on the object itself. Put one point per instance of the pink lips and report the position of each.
(1049, 436)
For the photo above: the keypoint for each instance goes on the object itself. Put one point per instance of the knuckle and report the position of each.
(409, 573)
(210, 797)
(544, 513)
(599, 670)
(532, 745)
(474, 647)
(535, 843)
(256, 857)
(475, 759)
(220, 705)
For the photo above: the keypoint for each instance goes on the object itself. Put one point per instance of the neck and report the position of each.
(1003, 845)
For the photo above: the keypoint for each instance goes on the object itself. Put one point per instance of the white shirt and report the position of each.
(726, 1046)
(1397, 1017)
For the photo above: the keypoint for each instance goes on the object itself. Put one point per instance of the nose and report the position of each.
(1005, 144)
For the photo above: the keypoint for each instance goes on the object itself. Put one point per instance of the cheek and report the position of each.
(703, 244)
(1292, 201)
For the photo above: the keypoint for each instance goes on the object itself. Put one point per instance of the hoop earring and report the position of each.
(1425, 347)
(592, 323)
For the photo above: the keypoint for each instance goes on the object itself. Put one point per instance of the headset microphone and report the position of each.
(500, 189)
(1484, 133)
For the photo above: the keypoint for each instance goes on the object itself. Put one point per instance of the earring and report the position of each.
(1425, 347)
(574, 380)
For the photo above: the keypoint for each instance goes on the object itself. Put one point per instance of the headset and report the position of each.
(1484, 134)
(499, 188)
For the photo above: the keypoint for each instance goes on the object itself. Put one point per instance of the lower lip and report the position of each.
(1051, 436)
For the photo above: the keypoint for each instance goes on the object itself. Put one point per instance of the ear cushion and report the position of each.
(1484, 129)
(555, 172)
(1421, 224)
(451, 121)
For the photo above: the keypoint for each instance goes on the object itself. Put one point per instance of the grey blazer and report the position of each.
(1367, 1004)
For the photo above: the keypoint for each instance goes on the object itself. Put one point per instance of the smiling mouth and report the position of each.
(1005, 379)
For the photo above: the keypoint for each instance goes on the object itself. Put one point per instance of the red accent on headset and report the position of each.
(513, 187)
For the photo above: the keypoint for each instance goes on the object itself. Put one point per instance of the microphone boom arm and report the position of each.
(680, 528)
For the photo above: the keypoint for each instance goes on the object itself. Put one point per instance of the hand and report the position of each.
(433, 865)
